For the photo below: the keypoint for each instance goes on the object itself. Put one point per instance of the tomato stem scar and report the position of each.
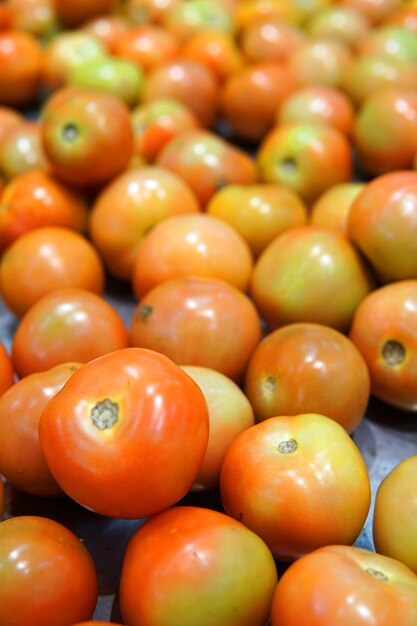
(287, 447)
(288, 164)
(393, 352)
(144, 312)
(376, 573)
(105, 414)
(270, 384)
(70, 132)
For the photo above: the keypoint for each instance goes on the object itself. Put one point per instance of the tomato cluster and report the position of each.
(208, 268)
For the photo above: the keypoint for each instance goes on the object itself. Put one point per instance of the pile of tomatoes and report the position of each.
(208, 259)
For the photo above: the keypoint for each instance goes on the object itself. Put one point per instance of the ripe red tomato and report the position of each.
(126, 435)
(298, 369)
(22, 462)
(21, 58)
(346, 586)
(66, 325)
(395, 512)
(190, 565)
(47, 576)
(384, 331)
(299, 482)
(6, 370)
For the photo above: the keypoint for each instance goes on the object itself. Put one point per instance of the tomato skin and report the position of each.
(298, 368)
(6, 370)
(299, 482)
(2, 498)
(384, 331)
(335, 585)
(146, 456)
(21, 459)
(189, 565)
(47, 577)
(394, 526)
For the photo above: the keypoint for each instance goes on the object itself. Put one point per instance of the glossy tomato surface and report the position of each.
(190, 565)
(126, 436)
(47, 576)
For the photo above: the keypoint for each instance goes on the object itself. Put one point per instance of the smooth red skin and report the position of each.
(260, 212)
(6, 369)
(217, 50)
(389, 313)
(66, 325)
(395, 511)
(22, 462)
(76, 12)
(297, 502)
(385, 131)
(104, 127)
(45, 259)
(21, 150)
(332, 586)
(190, 565)
(331, 209)
(320, 61)
(309, 158)
(382, 224)
(149, 459)
(197, 244)
(48, 577)
(129, 207)
(37, 199)
(250, 97)
(21, 58)
(148, 46)
(181, 79)
(207, 162)
(109, 29)
(298, 369)
(310, 274)
(190, 320)
(271, 39)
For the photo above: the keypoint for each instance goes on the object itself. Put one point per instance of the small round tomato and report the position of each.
(47, 576)
(36, 17)
(270, 39)
(21, 150)
(310, 274)
(345, 585)
(298, 368)
(69, 324)
(9, 118)
(390, 40)
(185, 19)
(332, 208)
(22, 462)
(37, 199)
(46, 259)
(147, 46)
(230, 413)
(197, 244)
(21, 58)
(375, 11)
(384, 331)
(129, 207)
(126, 435)
(217, 50)
(339, 23)
(6, 370)
(109, 29)
(395, 511)
(190, 320)
(80, 131)
(259, 212)
(320, 61)
(299, 482)
(75, 12)
(191, 565)
(382, 224)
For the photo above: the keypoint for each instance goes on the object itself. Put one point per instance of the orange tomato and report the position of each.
(320, 61)
(332, 208)
(21, 150)
(75, 12)
(148, 46)
(21, 58)
(9, 118)
(109, 29)
(217, 50)
(6, 369)
(270, 39)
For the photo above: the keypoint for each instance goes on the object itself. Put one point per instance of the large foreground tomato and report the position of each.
(126, 434)
(346, 586)
(299, 482)
(196, 567)
(47, 576)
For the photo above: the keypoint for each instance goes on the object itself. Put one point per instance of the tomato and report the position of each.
(376, 11)
(2, 499)
(260, 212)
(75, 12)
(393, 524)
(390, 40)
(332, 208)
(6, 369)
(185, 19)
(308, 274)
(217, 50)
(9, 117)
(320, 61)
(197, 244)
(44, 260)
(190, 320)
(298, 369)
(190, 565)
(22, 462)
(299, 482)
(109, 29)
(340, 23)
(207, 162)
(66, 324)
(80, 131)
(36, 17)
(129, 207)
(270, 38)
(47, 576)
(346, 586)
(36, 199)
(147, 46)
(382, 223)
(383, 330)
(21, 150)
(126, 435)
(21, 58)
(230, 413)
